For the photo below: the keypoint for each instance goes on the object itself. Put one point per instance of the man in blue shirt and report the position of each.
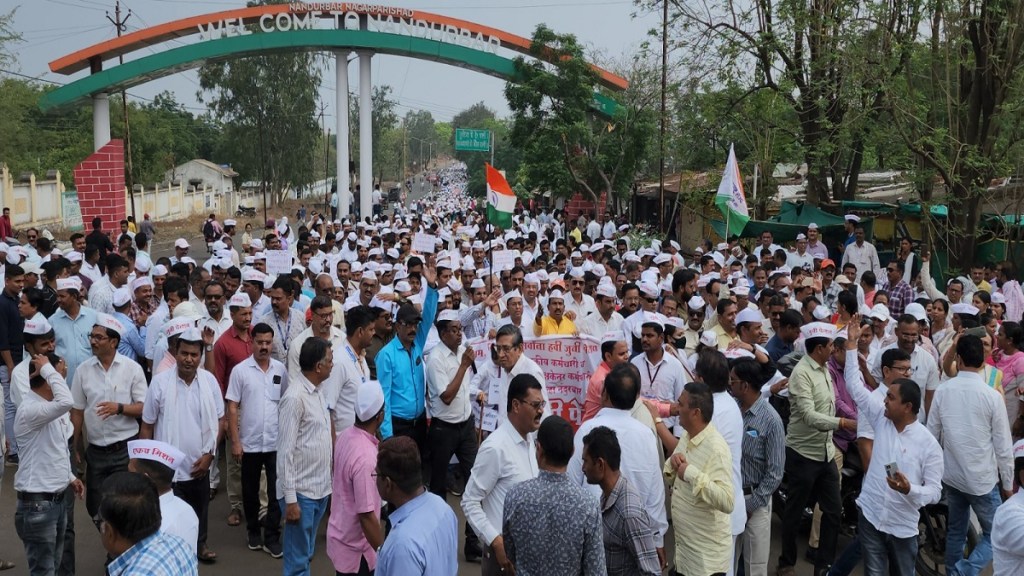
(424, 531)
(72, 324)
(789, 330)
(401, 370)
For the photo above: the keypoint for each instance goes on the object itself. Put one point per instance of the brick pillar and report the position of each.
(99, 180)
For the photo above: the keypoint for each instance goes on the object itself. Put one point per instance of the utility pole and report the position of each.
(119, 25)
(327, 187)
(661, 138)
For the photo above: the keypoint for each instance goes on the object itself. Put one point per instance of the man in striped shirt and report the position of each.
(304, 455)
(764, 459)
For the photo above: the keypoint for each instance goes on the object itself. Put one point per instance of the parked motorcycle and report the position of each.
(249, 211)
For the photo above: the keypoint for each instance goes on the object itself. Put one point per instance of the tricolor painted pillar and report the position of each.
(341, 105)
(100, 120)
(365, 137)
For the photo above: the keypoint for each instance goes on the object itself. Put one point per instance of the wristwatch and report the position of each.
(658, 420)
(120, 409)
(209, 347)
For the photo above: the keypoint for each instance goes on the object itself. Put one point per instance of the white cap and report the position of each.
(230, 222)
(109, 322)
(576, 273)
(454, 285)
(709, 339)
(185, 309)
(448, 316)
(852, 218)
(749, 315)
(253, 275)
(800, 237)
(696, 303)
(998, 298)
(369, 400)
(821, 313)
(818, 330)
(556, 294)
(72, 283)
(159, 270)
(741, 290)
(188, 260)
(74, 256)
(917, 311)
(192, 334)
(37, 327)
(607, 290)
(649, 289)
(157, 451)
(477, 283)
(121, 296)
(181, 243)
(812, 226)
(880, 312)
(662, 258)
(1018, 449)
(240, 300)
(961, 308)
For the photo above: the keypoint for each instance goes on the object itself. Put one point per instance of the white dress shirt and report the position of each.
(45, 464)
(728, 419)
(257, 394)
(523, 366)
(304, 443)
(505, 459)
(915, 452)
(178, 518)
(1008, 537)
(595, 325)
(923, 370)
(863, 257)
(124, 383)
(442, 366)
(352, 370)
(662, 381)
(186, 416)
(20, 388)
(582, 309)
(969, 420)
(640, 463)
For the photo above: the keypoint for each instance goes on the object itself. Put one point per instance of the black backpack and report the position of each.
(208, 230)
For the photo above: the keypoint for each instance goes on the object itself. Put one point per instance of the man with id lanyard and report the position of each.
(322, 326)
(350, 360)
(253, 394)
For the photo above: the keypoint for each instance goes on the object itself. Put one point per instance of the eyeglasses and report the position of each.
(503, 349)
(32, 237)
(325, 315)
(538, 405)
(99, 337)
(578, 282)
(214, 296)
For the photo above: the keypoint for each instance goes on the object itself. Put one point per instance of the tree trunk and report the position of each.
(853, 172)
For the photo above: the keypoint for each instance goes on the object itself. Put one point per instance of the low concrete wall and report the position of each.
(33, 202)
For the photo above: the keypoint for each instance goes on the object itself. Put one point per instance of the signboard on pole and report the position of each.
(470, 140)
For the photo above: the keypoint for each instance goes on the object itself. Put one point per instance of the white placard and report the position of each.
(424, 243)
(502, 260)
(279, 262)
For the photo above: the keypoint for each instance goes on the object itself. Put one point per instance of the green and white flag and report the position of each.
(730, 198)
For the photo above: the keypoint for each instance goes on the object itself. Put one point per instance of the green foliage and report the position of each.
(268, 107)
(566, 146)
(506, 156)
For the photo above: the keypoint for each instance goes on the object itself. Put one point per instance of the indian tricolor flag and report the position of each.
(501, 202)
(730, 198)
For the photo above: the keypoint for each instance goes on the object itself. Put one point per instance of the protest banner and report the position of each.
(279, 262)
(424, 243)
(567, 362)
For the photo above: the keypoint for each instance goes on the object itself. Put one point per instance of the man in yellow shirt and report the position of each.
(556, 322)
(702, 495)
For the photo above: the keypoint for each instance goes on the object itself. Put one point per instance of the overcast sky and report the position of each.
(54, 28)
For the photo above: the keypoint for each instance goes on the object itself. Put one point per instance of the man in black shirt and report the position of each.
(12, 344)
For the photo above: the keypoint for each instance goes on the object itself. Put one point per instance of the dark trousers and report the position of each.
(810, 481)
(417, 430)
(446, 439)
(196, 492)
(101, 463)
(252, 464)
(364, 570)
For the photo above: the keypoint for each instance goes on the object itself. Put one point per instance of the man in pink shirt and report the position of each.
(354, 531)
(614, 351)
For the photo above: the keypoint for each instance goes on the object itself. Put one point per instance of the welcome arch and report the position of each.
(337, 27)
